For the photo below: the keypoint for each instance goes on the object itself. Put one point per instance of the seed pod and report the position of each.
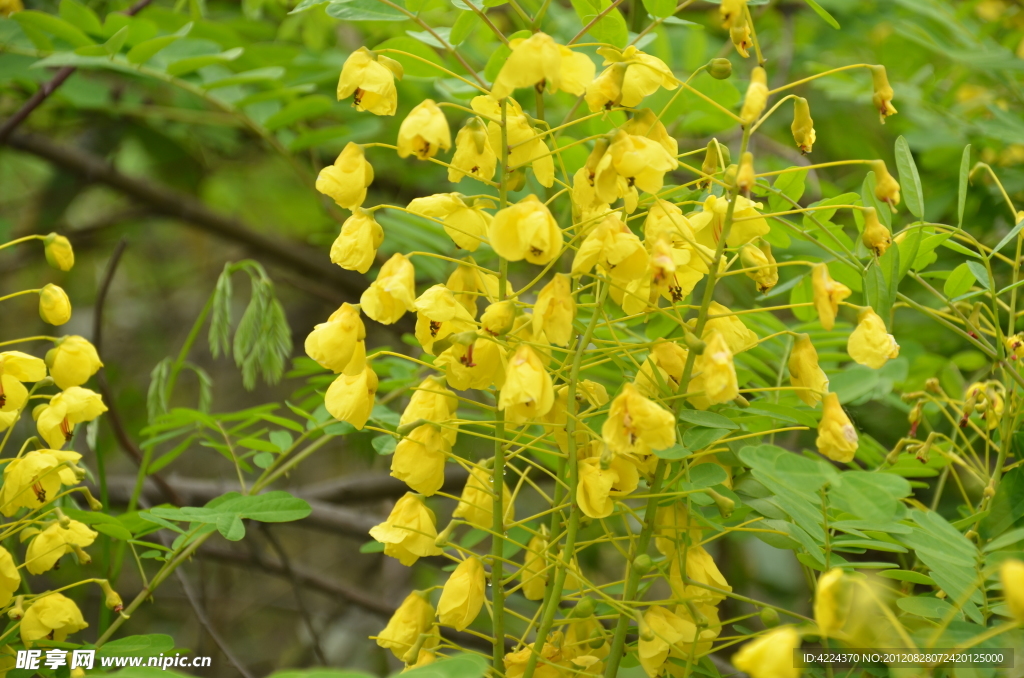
(719, 68)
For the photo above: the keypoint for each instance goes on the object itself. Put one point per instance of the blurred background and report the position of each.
(161, 176)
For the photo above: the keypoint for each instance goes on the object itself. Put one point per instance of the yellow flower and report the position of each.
(350, 396)
(803, 125)
(415, 616)
(883, 95)
(346, 180)
(476, 504)
(356, 245)
(549, 664)
(827, 295)
(672, 275)
(9, 7)
(745, 177)
(1011, 575)
(631, 161)
(439, 315)
(419, 459)
(806, 376)
(709, 223)
(756, 98)
(526, 146)
(876, 236)
(832, 602)
(409, 532)
(478, 365)
(463, 594)
(468, 282)
(730, 11)
(58, 251)
(75, 405)
(661, 633)
(433, 403)
(335, 343)
(613, 247)
(986, 398)
(533, 573)
(52, 617)
(554, 311)
(771, 655)
(392, 293)
(760, 258)
(675, 528)
(54, 305)
(739, 33)
(32, 480)
(474, 156)
(55, 541)
(717, 374)
(663, 368)
(630, 76)
(637, 425)
(539, 61)
(10, 580)
(586, 206)
(528, 392)
(738, 337)
(593, 490)
(72, 361)
(465, 224)
(526, 230)
(645, 123)
(666, 219)
(1014, 345)
(17, 367)
(700, 568)
(869, 343)
(887, 189)
(837, 439)
(371, 79)
(592, 393)
(499, 317)
(424, 131)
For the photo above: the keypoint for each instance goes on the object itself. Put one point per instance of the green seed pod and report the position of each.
(719, 68)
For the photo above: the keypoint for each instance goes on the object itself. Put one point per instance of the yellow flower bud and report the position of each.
(498, 318)
(528, 392)
(771, 655)
(869, 343)
(474, 156)
(1011, 575)
(356, 245)
(370, 80)
(526, 230)
(409, 532)
(827, 295)
(54, 542)
(756, 98)
(887, 189)
(709, 223)
(805, 374)
(463, 594)
(414, 617)
(59, 253)
(431, 402)
(883, 95)
(419, 459)
(876, 236)
(803, 125)
(54, 305)
(10, 580)
(745, 178)
(837, 439)
(739, 34)
(476, 504)
(664, 631)
(392, 293)
(636, 75)
(534, 572)
(666, 360)
(111, 598)
(832, 602)
(593, 491)
(72, 361)
(346, 180)
(760, 257)
(716, 157)
(738, 337)
(555, 310)
(350, 396)
(615, 248)
(51, 617)
(424, 132)
(637, 425)
(525, 144)
(335, 343)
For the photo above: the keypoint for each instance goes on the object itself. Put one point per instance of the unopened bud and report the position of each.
(643, 563)
(932, 386)
(83, 557)
(18, 610)
(62, 519)
(769, 617)
(112, 599)
(646, 634)
(94, 503)
(584, 608)
(693, 343)
(745, 176)
(59, 253)
(442, 539)
(725, 505)
(498, 318)
(719, 68)
(876, 236)
(597, 639)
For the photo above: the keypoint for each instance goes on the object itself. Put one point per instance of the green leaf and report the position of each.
(876, 291)
(231, 527)
(55, 26)
(907, 575)
(1009, 539)
(464, 26)
(140, 646)
(783, 413)
(959, 281)
(926, 606)
(706, 475)
(77, 14)
(910, 180)
(611, 28)
(980, 273)
(820, 11)
(115, 531)
(700, 437)
(116, 42)
(672, 453)
(269, 74)
(961, 198)
(306, 4)
(660, 8)
(146, 50)
(459, 666)
(191, 64)
(411, 66)
(791, 184)
(708, 419)
(1009, 236)
(257, 444)
(263, 459)
(908, 250)
(1007, 505)
(384, 444)
(872, 496)
(365, 10)
(372, 547)
(282, 440)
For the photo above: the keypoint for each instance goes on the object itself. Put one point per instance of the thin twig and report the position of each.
(286, 565)
(204, 620)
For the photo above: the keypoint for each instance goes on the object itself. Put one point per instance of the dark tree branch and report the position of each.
(286, 565)
(364, 487)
